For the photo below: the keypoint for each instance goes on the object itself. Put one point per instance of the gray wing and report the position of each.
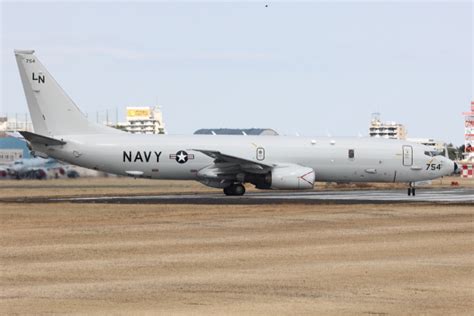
(228, 169)
(233, 164)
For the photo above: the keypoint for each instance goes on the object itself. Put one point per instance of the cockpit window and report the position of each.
(432, 153)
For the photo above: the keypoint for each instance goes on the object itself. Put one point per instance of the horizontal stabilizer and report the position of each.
(41, 140)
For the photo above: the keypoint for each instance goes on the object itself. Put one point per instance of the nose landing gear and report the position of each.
(236, 189)
(411, 189)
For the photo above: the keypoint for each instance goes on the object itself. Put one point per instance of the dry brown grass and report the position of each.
(97, 187)
(201, 259)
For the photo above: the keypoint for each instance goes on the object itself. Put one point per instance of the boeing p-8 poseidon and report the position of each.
(227, 162)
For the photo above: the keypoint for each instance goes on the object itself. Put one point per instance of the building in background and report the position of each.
(14, 124)
(12, 149)
(139, 120)
(395, 130)
(390, 130)
(236, 131)
(143, 120)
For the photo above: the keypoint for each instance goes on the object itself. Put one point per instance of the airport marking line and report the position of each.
(345, 196)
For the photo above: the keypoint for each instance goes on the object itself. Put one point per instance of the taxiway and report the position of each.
(443, 196)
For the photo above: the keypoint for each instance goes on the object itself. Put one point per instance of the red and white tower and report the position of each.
(468, 155)
(469, 134)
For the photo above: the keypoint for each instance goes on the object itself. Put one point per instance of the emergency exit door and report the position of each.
(407, 155)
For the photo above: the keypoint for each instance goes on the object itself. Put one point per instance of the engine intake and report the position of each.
(292, 177)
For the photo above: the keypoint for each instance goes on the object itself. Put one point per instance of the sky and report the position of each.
(308, 68)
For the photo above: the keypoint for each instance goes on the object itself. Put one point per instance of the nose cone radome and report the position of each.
(451, 167)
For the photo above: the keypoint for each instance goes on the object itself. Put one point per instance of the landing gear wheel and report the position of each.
(239, 189)
(411, 191)
(236, 189)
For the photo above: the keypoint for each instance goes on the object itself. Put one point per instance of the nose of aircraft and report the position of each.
(452, 167)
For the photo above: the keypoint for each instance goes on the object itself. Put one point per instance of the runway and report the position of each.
(442, 196)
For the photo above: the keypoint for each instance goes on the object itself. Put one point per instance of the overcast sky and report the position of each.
(309, 68)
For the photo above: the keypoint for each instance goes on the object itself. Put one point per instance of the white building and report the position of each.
(8, 124)
(144, 120)
(381, 129)
(7, 156)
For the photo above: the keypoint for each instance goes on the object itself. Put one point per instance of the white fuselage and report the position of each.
(154, 156)
(276, 162)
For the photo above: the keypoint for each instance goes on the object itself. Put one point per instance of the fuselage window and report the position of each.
(351, 153)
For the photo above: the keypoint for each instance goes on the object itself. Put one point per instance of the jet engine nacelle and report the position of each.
(292, 177)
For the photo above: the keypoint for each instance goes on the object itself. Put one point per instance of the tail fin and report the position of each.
(52, 111)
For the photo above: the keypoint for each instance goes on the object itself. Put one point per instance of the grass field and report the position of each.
(379, 259)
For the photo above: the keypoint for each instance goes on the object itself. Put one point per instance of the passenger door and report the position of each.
(407, 155)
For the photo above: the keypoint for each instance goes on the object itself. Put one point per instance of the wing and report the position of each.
(228, 169)
(242, 163)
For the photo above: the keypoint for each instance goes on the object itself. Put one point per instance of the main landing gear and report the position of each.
(236, 189)
(411, 189)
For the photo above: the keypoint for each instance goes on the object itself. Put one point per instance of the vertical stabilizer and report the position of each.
(52, 111)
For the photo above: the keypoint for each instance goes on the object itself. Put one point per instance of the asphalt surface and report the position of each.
(441, 196)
